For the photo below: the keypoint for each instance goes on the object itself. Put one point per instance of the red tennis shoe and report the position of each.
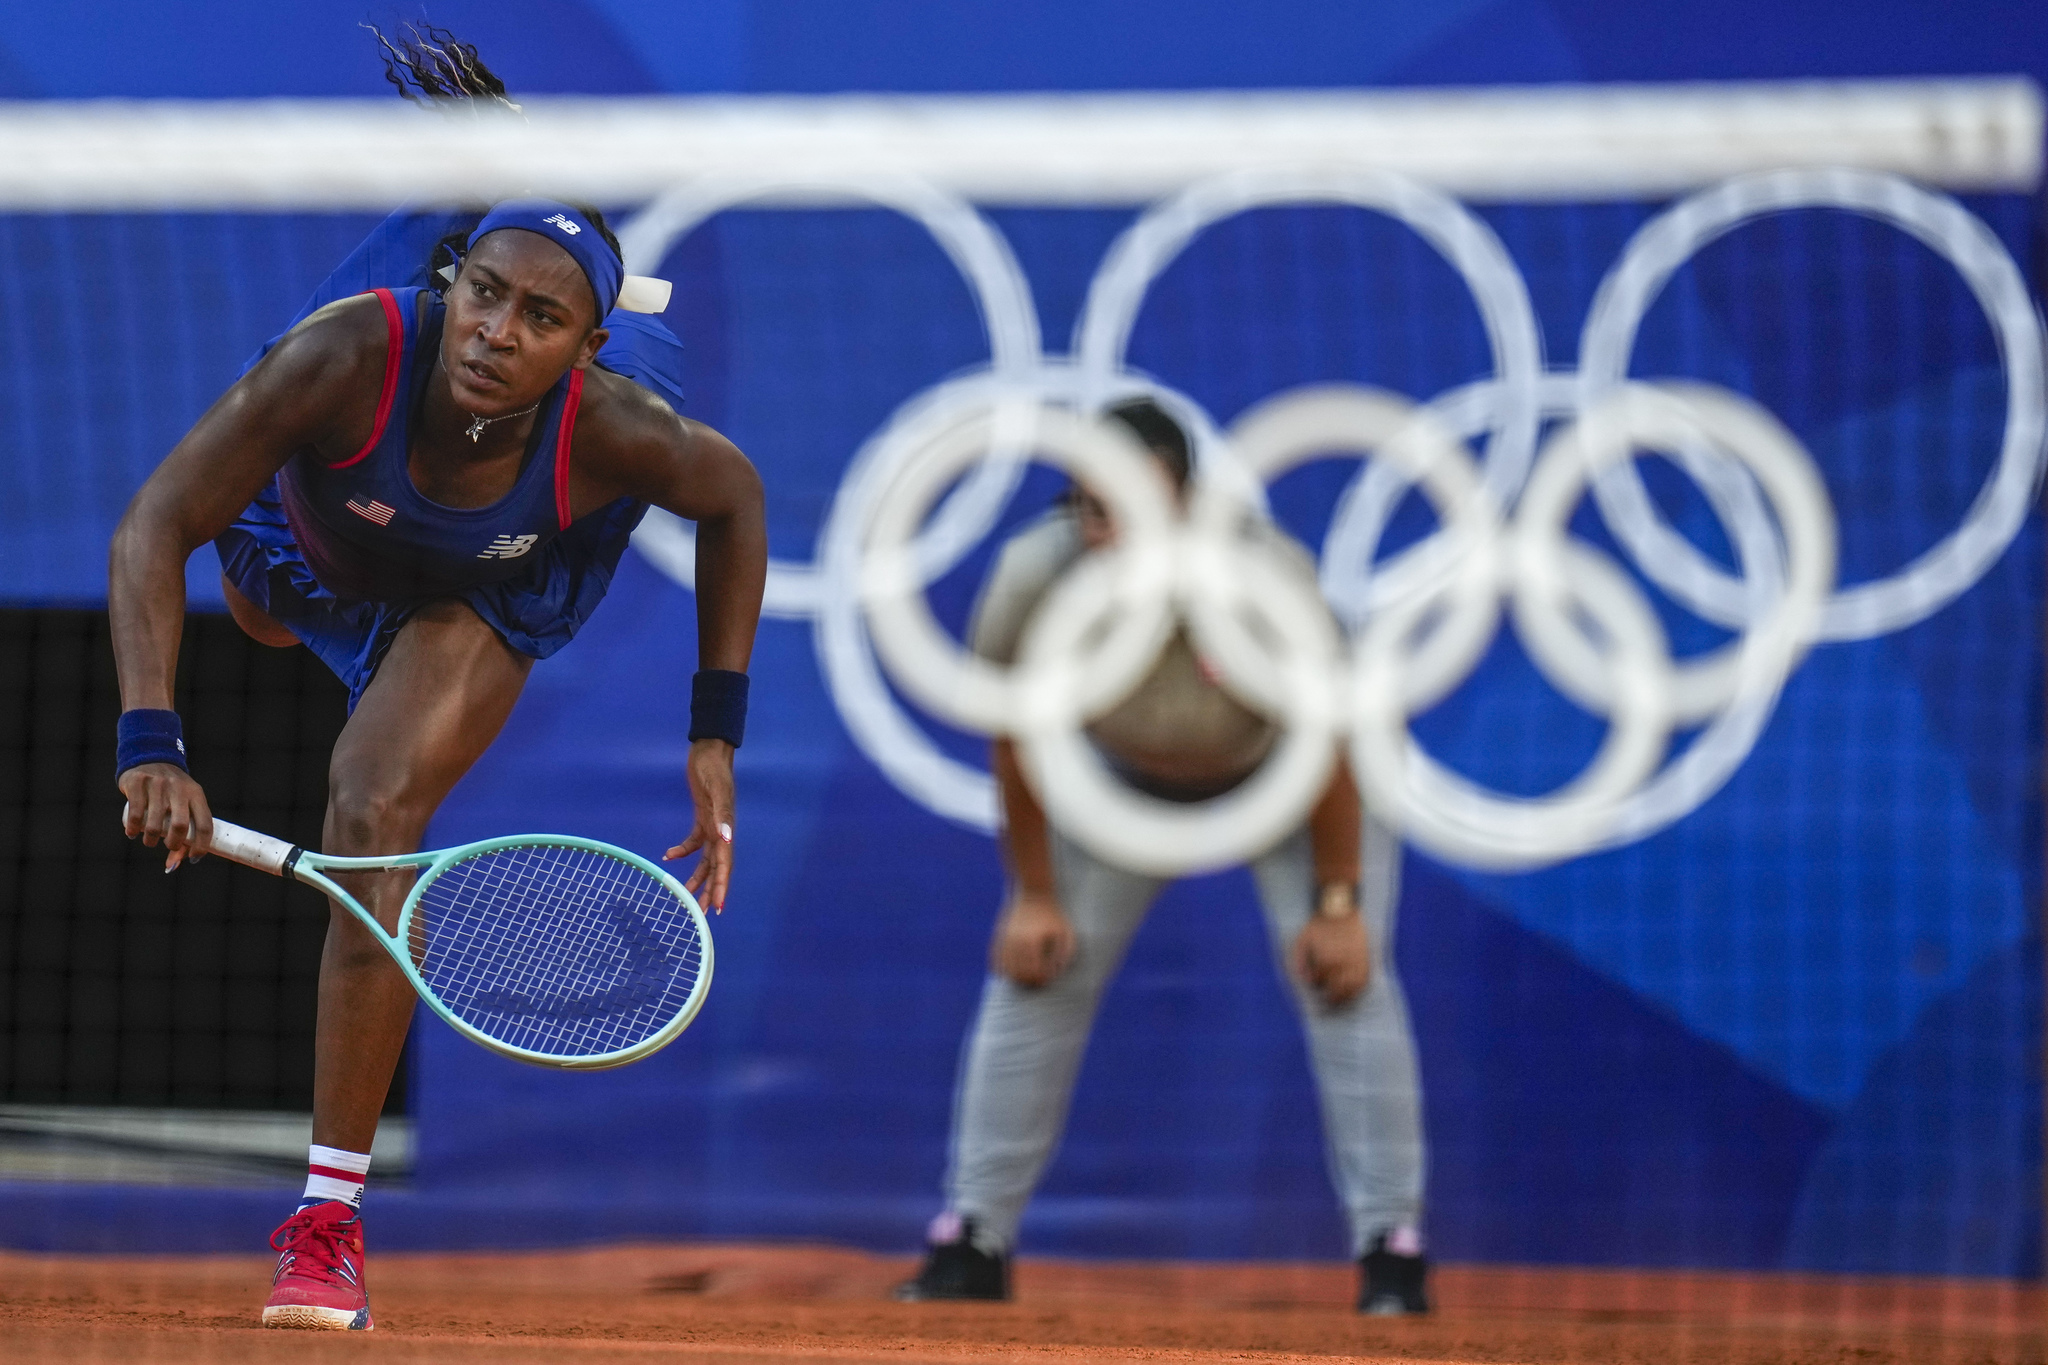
(319, 1280)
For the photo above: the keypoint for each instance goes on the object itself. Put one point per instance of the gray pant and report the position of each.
(1018, 1068)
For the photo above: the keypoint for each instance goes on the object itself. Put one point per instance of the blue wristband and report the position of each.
(718, 705)
(148, 737)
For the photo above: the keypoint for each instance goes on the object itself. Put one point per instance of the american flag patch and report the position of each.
(376, 512)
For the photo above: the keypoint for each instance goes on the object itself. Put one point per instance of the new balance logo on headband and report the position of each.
(561, 220)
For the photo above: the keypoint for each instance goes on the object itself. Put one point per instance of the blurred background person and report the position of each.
(1329, 892)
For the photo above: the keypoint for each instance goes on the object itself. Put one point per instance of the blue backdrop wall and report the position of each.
(1801, 1028)
(215, 49)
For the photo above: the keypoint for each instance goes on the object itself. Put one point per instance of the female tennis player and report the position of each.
(430, 490)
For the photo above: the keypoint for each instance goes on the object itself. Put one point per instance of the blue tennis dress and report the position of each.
(342, 554)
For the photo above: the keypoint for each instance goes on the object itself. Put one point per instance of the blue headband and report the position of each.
(569, 230)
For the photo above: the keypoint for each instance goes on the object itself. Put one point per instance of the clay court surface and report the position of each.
(714, 1304)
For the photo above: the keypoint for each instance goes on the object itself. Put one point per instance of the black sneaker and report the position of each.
(954, 1268)
(1392, 1276)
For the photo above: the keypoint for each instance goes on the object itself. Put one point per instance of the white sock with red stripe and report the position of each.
(334, 1174)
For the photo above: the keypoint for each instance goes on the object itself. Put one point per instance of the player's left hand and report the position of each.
(1332, 958)
(711, 793)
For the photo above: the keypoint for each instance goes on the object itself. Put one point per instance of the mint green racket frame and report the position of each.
(281, 859)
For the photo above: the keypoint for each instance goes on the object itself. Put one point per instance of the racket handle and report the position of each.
(251, 849)
(245, 846)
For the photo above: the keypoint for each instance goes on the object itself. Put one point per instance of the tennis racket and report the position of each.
(559, 951)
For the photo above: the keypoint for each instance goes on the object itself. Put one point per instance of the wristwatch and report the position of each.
(1337, 900)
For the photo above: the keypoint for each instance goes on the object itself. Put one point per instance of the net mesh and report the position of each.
(558, 950)
(1828, 978)
(1843, 934)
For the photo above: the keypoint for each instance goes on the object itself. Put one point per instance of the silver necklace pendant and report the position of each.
(475, 429)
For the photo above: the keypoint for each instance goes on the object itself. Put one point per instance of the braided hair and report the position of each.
(430, 65)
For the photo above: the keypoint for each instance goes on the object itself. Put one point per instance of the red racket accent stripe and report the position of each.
(563, 435)
(394, 354)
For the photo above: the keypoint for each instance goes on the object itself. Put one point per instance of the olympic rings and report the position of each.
(1419, 620)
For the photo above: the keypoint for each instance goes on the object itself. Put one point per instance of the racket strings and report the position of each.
(559, 950)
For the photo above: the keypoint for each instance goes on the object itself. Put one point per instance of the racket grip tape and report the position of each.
(251, 849)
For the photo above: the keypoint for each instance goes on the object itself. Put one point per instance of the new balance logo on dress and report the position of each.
(376, 511)
(509, 547)
(561, 220)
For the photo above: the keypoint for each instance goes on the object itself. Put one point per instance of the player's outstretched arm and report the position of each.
(298, 396)
(686, 468)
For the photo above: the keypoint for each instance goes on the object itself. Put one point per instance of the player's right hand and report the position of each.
(1034, 940)
(165, 806)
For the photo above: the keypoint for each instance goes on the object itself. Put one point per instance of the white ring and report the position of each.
(1454, 818)
(1001, 292)
(1148, 246)
(1639, 417)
